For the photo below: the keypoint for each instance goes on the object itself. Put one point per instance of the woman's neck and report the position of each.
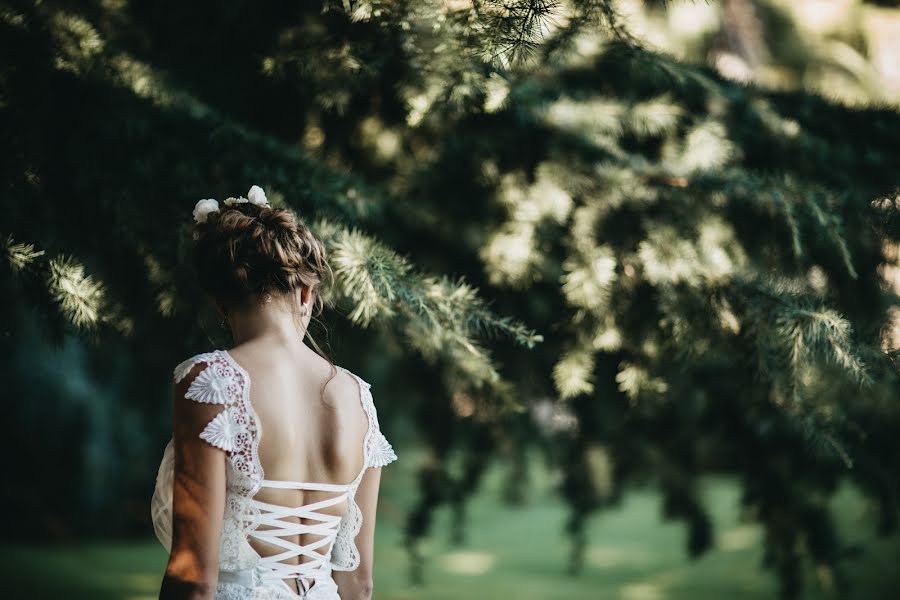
(273, 320)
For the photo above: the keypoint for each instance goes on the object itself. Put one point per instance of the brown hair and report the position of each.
(245, 251)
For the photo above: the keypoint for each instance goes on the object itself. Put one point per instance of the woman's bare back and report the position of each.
(312, 428)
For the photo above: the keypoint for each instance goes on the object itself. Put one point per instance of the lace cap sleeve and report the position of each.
(205, 388)
(220, 382)
(217, 383)
(378, 452)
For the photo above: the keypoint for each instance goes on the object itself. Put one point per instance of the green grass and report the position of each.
(509, 553)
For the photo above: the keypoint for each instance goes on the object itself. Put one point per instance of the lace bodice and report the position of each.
(236, 430)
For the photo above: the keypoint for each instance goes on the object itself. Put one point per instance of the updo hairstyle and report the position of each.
(244, 252)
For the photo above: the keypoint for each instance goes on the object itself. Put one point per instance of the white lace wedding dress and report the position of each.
(243, 573)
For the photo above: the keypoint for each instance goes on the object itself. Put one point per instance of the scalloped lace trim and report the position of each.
(377, 452)
(235, 430)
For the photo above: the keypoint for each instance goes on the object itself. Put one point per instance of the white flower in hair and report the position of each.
(203, 208)
(235, 201)
(257, 196)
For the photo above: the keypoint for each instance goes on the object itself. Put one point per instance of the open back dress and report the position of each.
(243, 573)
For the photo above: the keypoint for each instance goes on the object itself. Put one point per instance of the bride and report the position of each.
(268, 488)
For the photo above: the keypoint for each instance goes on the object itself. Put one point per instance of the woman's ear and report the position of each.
(305, 294)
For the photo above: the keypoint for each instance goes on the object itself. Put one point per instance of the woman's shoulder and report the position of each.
(210, 400)
(353, 376)
(210, 378)
(189, 365)
(378, 452)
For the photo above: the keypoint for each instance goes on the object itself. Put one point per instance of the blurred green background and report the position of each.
(624, 276)
(633, 553)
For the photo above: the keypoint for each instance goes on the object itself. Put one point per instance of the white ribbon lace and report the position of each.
(324, 525)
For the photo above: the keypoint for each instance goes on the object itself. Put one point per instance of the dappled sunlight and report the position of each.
(601, 469)
(544, 199)
(680, 25)
(141, 587)
(694, 18)
(607, 337)
(820, 15)
(468, 562)
(844, 49)
(588, 279)
(773, 121)
(655, 117)
(142, 581)
(513, 254)
(78, 41)
(642, 591)
(608, 557)
(383, 141)
(573, 373)
(636, 382)
(621, 185)
(509, 254)
(20, 254)
(497, 91)
(719, 248)
(638, 559)
(142, 79)
(600, 116)
(553, 417)
(604, 119)
(82, 298)
(667, 256)
(884, 41)
(706, 146)
(739, 538)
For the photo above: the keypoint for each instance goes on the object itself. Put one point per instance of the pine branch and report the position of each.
(79, 298)
(20, 255)
(441, 317)
(514, 29)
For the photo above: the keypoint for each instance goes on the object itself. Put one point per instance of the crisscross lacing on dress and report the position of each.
(325, 526)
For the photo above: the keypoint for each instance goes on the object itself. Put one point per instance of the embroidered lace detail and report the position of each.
(183, 368)
(382, 453)
(235, 430)
(344, 554)
(377, 452)
(246, 474)
(232, 591)
(236, 591)
(210, 387)
(325, 590)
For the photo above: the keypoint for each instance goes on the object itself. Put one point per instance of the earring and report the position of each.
(303, 310)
